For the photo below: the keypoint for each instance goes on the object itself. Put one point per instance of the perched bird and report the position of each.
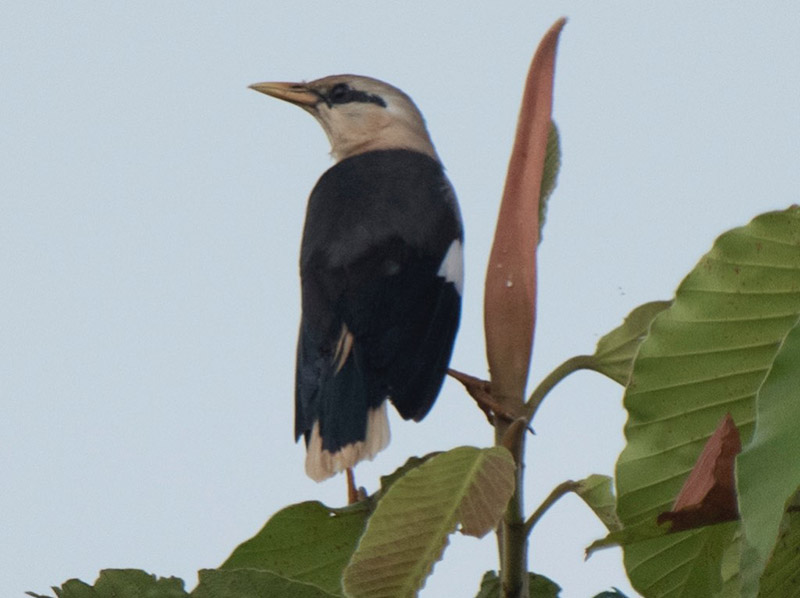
(381, 271)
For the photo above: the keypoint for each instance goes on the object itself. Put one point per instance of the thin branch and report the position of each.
(573, 364)
(481, 391)
(558, 492)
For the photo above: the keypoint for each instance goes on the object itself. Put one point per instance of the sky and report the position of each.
(150, 216)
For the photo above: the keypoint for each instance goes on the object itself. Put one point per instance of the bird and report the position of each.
(381, 272)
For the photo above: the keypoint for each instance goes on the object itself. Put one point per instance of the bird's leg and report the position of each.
(352, 491)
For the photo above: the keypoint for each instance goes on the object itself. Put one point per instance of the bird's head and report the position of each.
(358, 114)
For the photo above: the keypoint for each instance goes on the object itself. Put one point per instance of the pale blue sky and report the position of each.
(150, 214)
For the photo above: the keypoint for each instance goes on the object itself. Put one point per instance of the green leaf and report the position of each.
(616, 350)
(613, 593)
(781, 578)
(411, 463)
(124, 583)
(409, 529)
(539, 586)
(705, 356)
(729, 569)
(249, 583)
(552, 164)
(689, 560)
(629, 536)
(768, 470)
(598, 493)
(306, 542)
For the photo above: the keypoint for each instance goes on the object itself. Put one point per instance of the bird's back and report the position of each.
(381, 282)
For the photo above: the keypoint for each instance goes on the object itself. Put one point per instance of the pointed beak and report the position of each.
(295, 93)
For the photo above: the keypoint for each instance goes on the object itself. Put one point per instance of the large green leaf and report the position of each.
(781, 579)
(251, 583)
(729, 569)
(706, 355)
(685, 564)
(616, 350)
(768, 469)
(409, 529)
(387, 481)
(627, 536)
(124, 583)
(306, 542)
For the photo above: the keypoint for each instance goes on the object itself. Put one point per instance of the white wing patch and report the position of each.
(343, 347)
(452, 268)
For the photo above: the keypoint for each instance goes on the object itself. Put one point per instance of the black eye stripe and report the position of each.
(341, 93)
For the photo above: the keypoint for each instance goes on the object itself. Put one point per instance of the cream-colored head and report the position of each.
(358, 114)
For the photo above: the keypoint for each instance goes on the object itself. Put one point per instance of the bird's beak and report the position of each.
(295, 93)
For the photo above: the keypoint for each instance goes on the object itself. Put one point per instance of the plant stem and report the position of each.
(573, 364)
(511, 535)
(559, 491)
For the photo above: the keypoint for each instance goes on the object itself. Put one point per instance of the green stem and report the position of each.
(559, 491)
(512, 533)
(573, 364)
(511, 536)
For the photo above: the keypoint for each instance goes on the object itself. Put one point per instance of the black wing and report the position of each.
(378, 228)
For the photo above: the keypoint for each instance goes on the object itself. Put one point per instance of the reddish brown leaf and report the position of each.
(510, 292)
(709, 493)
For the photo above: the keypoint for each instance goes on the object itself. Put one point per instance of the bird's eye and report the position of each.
(339, 92)
(342, 93)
